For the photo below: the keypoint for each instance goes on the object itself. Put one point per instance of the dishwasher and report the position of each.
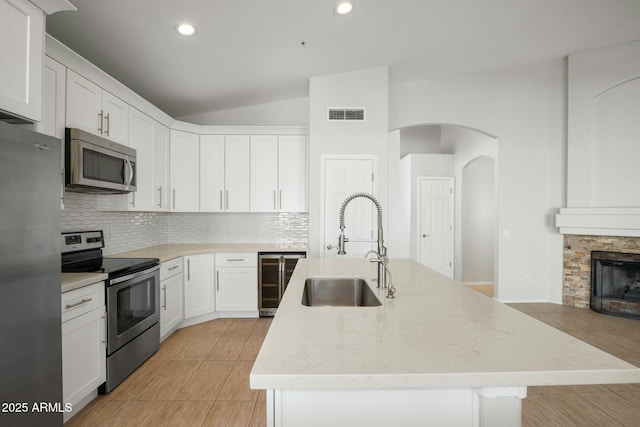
(274, 273)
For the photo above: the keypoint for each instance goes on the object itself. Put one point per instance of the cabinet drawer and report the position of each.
(237, 259)
(171, 268)
(82, 300)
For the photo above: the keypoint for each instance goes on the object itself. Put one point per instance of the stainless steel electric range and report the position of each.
(132, 298)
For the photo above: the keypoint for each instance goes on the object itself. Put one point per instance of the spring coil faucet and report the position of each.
(382, 250)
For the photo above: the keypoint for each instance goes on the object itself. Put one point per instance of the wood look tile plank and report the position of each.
(633, 397)
(228, 347)
(207, 381)
(236, 386)
(615, 406)
(241, 326)
(259, 416)
(229, 414)
(186, 413)
(251, 348)
(262, 326)
(537, 412)
(137, 382)
(170, 380)
(579, 410)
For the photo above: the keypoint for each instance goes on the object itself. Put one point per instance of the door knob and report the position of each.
(329, 247)
(425, 235)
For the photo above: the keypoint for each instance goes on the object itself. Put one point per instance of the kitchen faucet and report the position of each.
(382, 250)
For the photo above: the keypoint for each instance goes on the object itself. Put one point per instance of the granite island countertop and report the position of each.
(436, 333)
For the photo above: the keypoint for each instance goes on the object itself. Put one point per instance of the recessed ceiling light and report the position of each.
(343, 8)
(186, 29)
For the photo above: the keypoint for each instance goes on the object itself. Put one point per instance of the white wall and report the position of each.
(478, 221)
(421, 139)
(523, 107)
(290, 112)
(604, 130)
(368, 89)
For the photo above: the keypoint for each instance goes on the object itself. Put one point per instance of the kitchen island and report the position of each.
(437, 354)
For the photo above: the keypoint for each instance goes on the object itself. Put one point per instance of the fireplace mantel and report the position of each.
(599, 221)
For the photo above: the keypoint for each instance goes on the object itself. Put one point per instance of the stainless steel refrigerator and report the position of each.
(30, 292)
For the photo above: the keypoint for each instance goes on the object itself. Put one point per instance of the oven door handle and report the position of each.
(133, 275)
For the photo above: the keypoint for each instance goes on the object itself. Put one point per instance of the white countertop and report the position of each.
(435, 333)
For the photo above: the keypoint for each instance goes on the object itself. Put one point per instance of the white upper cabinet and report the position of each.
(151, 142)
(22, 32)
(224, 173)
(53, 100)
(185, 171)
(95, 110)
(278, 180)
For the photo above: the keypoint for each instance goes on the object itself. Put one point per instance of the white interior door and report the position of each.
(343, 177)
(435, 224)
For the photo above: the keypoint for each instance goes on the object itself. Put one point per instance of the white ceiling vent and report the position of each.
(345, 115)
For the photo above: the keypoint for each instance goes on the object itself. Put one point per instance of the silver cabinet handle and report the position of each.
(83, 301)
(101, 116)
(220, 199)
(164, 292)
(188, 269)
(160, 190)
(274, 200)
(235, 259)
(174, 267)
(133, 199)
(218, 280)
(174, 198)
(280, 197)
(226, 195)
(108, 120)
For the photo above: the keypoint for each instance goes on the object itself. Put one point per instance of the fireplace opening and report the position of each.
(615, 283)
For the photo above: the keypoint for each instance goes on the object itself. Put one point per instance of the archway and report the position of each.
(439, 150)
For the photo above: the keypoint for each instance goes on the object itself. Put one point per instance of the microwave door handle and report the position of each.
(128, 181)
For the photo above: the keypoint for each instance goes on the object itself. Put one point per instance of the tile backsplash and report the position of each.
(126, 231)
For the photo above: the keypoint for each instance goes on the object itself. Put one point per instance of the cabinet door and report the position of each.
(141, 138)
(199, 285)
(171, 304)
(115, 118)
(22, 35)
(161, 167)
(237, 173)
(84, 104)
(185, 174)
(212, 189)
(264, 173)
(237, 289)
(83, 355)
(292, 173)
(53, 100)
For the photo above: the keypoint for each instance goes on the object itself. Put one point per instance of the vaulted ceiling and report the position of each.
(248, 52)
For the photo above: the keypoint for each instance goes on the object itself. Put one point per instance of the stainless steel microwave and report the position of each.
(97, 165)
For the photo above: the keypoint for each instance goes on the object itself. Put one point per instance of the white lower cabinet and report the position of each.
(84, 327)
(236, 282)
(199, 285)
(171, 296)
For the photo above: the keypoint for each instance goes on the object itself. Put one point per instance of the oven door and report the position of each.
(99, 169)
(133, 305)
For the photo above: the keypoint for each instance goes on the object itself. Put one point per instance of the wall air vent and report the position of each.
(345, 114)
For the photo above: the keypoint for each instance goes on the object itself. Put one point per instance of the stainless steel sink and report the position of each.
(338, 292)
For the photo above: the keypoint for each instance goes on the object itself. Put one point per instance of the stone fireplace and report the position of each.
(576, 284)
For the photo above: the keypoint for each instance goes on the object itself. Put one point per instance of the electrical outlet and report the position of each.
(526, 280)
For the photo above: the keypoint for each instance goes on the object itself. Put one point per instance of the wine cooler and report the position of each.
(274, 273)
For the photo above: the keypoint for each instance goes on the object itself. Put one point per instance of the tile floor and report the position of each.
(199, 377)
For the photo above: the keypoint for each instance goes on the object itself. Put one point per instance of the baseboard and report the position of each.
(478, 283)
